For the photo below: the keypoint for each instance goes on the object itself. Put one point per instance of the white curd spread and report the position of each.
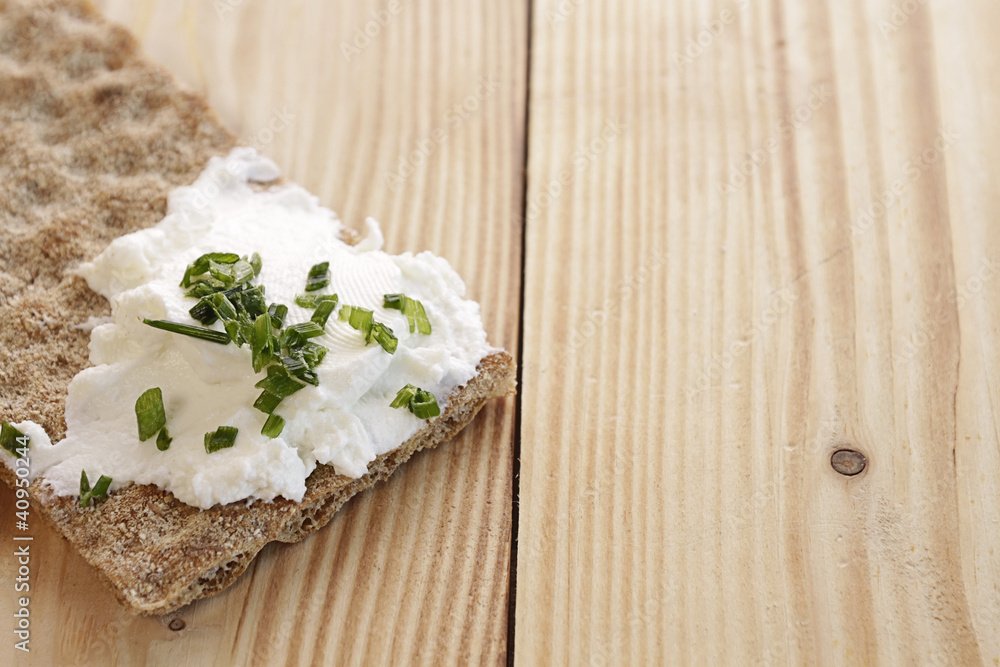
(346, 421)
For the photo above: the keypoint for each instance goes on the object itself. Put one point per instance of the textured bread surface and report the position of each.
(92, 139)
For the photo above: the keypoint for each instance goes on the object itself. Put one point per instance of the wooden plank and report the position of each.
(415, 570)
(759, 232)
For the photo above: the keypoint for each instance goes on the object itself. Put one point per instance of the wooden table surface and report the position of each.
(725, 239)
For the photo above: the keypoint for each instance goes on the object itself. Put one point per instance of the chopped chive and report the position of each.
(313, 354)
(240, 330)
(223, 307)
(163, 440)
(221, 272)
(252, 300)
(279, 384)
(12, 439)
(384, 336)
(421, 403)
(306, 329)
(203, 264)
(319, 277)
(404, 396)
(313, 300)
(100, 489)
(256, 264)
(273, 426)
(362, 320)
(211, 335)
(262, 343)
(414, 311)
(323, 311)
(424, 405)
(277, 311)
(242, 272)
(359, 318)
(223, 437)
(267, 402)
(149, 413)
(299, 369)
(297, 366)
(394, 301)
(200, 290)
(423, 324)
(204, 312)
(294, 363)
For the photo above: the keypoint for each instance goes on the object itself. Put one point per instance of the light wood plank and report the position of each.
(695, 353)
(415, 570)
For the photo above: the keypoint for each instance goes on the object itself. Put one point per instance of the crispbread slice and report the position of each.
(92, 138)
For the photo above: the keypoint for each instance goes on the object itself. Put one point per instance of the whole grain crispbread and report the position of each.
(92, 138)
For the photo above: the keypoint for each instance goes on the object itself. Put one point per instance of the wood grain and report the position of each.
(416, 570)
(717, 304)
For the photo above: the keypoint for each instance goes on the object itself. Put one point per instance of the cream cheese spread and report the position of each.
(346, 421)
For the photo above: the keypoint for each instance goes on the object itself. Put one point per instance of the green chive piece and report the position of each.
(319, 277)
(262, 343)
(256, 263)
(100, 489)
(203, 312)
(404, 396)
(277, 311)
(201, 333)
(223, 437)
(313, 354)
(424, 405)
(273, 426)
(163, 440)
(394, 301)
(385, 337)
(306, 329)
(200, 290)
(362, 320)
(267, 402)
(324, 310)
(242, 272)
(296, 365)
(149, 413)
(252, 300)
(359, 318)
(222, 272)
(414, 311)
(223, 307)
(12, 439)
(279, 383)
(421, 403)
(313, 300)
(202, 265)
